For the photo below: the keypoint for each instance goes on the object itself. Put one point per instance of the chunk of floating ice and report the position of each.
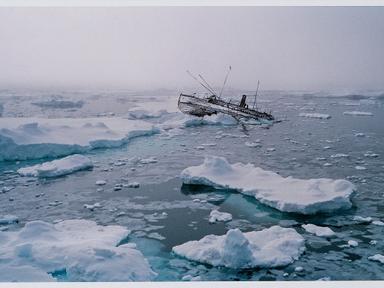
(8, 219)
(318, 230)
(133, 185)
(59, 167)
(285, 194)
(362, 219)
(272, 247)
(219, 216)
(353, 243)
(371, 155)
(252, 144)
(148, 160)
(34, 138)
(357, 113)
(360, 167)
(377, 257)
(299, 269)
(92, 206)
(101, 182)
(340, 155)
(85, 250)
(315, 115)
(378, 223)
(359, 134)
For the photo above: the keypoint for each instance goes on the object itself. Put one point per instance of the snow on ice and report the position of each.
(285, 194)
(272, 247)
(315, 115)
(318, 230)
(33, 138)
(82, 249)
(60, 167)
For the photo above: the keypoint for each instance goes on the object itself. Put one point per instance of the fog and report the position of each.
(305, 48)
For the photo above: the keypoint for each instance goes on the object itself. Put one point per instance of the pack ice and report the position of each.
(285, 194)
(80, 249)
(64, 166)
(272, 247)
(33, 138)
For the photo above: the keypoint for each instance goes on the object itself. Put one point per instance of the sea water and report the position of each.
(163, 213)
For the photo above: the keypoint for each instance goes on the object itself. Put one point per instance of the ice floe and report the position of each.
(81, 249)
(272, 247)
(216, 216)
(357, 113)
(315, 115)
(33, 138)
(318, 230)
(283, 193)
(59, 167)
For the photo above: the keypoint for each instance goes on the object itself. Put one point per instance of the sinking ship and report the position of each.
(214, 104)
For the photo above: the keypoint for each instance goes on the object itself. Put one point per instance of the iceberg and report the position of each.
(35, 138)
(79, 249)
(315, 115)
(286, 194)
(272, 247)
(60, 167)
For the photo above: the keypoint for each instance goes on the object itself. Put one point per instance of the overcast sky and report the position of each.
(285, 47)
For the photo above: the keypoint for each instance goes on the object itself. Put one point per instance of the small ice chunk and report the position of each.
(60, 167)
(327, 164)
(353, 243)
(148, 160)
(299, 269)
(327, 147)
(318, 230)
(362, 219)
(378, 223)
(8, 219)
(340, 155)
(371, 155)
(315, 115)
(252, 144)
(101, 182)
(133, 185)
(359, 135)
(358, 167)
(219, 216)
(377, 257)
(272, 247)
(357, 113)
(155, 235)
(271, 149)
(283, 193)
(92, 206)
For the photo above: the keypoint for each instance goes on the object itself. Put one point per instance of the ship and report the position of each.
(213, 104)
